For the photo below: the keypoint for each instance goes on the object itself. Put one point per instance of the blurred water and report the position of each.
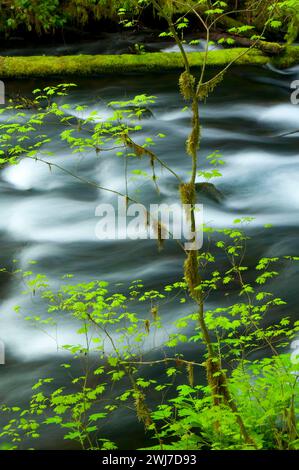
(49, 217)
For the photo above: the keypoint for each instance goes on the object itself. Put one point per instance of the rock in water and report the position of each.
(210, 191)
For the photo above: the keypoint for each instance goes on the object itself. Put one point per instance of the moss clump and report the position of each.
(192, 143)
(191, 274)
(206, 88)
(188, 198)
(142, 411)
(271, 48)
(187, 83)
(187, 191)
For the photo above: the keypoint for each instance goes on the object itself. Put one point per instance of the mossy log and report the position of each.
(95, 65)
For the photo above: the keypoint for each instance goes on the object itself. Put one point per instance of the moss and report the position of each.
(93, 65)
(186, 84)
(271, 48)
(192, 276)
(288, 59)
(206, 88)
(187, 191)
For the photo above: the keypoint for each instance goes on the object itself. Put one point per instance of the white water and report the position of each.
(49, 216)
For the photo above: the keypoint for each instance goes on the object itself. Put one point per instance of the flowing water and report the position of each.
(104, 43)
(49, 217)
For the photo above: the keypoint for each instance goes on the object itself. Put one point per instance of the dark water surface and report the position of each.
(49, 217)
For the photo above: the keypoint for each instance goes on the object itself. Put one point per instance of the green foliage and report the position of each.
(42, 16)
(112, 337)
(287, 12)
(38, 15)
(93, 65)
(266, 392)
(22, 134)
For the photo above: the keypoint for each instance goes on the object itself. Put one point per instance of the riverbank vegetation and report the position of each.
(44, 17)
(219, 396)
(264, 35)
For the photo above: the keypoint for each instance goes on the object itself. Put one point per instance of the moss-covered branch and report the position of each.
(93, 65)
